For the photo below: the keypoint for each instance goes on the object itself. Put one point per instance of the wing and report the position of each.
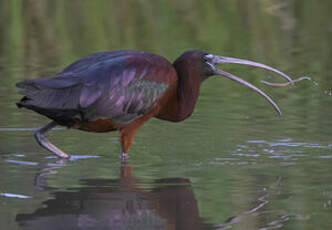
(118, 85)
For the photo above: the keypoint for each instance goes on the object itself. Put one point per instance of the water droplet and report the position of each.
(328, 92)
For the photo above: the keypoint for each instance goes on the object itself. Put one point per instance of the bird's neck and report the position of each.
(188, 92)
(185, 96)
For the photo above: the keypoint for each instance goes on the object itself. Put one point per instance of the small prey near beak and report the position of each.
(286, 83)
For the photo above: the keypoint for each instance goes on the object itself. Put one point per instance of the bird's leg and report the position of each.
(127, 133)
(127, 136)
(124, 156)
(42, 140)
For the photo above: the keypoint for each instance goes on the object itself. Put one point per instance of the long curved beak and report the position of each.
(229, 60)
(215, 60)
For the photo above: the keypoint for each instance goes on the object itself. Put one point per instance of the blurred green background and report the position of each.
(234, 149)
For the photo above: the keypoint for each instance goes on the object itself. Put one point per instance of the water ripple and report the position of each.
(287, 142)
(283, 149)
(12, 195)
(3, 129)
(22, 162)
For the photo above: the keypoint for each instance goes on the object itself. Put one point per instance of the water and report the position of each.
(233, 164)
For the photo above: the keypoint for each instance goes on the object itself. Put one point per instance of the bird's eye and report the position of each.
(208, 57)
(208, 61)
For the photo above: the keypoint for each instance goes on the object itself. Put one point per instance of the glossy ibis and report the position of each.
(121, 90)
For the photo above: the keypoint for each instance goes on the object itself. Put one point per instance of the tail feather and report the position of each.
(44, 97)
(59, 104)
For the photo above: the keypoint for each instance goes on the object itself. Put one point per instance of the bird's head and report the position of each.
(205, 63)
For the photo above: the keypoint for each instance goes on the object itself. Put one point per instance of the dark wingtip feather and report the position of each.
(20, 84)
(19, 105)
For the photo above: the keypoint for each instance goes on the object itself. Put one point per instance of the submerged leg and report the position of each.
(42, 140)
(127, 133)
(127, 136)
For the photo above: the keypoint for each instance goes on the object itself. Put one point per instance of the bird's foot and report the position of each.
(62, 161)
(64, 155)
(124, 156)
(61, 155)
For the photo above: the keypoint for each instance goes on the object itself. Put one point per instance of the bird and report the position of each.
(120, 90)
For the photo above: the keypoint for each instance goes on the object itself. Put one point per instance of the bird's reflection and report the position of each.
(118, 204)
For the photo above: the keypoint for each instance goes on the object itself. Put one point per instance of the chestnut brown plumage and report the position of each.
(121, 90)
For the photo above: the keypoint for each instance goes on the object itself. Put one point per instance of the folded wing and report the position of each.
(100, 86)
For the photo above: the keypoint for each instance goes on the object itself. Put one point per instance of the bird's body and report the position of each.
(117, 86)
(121, 90)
